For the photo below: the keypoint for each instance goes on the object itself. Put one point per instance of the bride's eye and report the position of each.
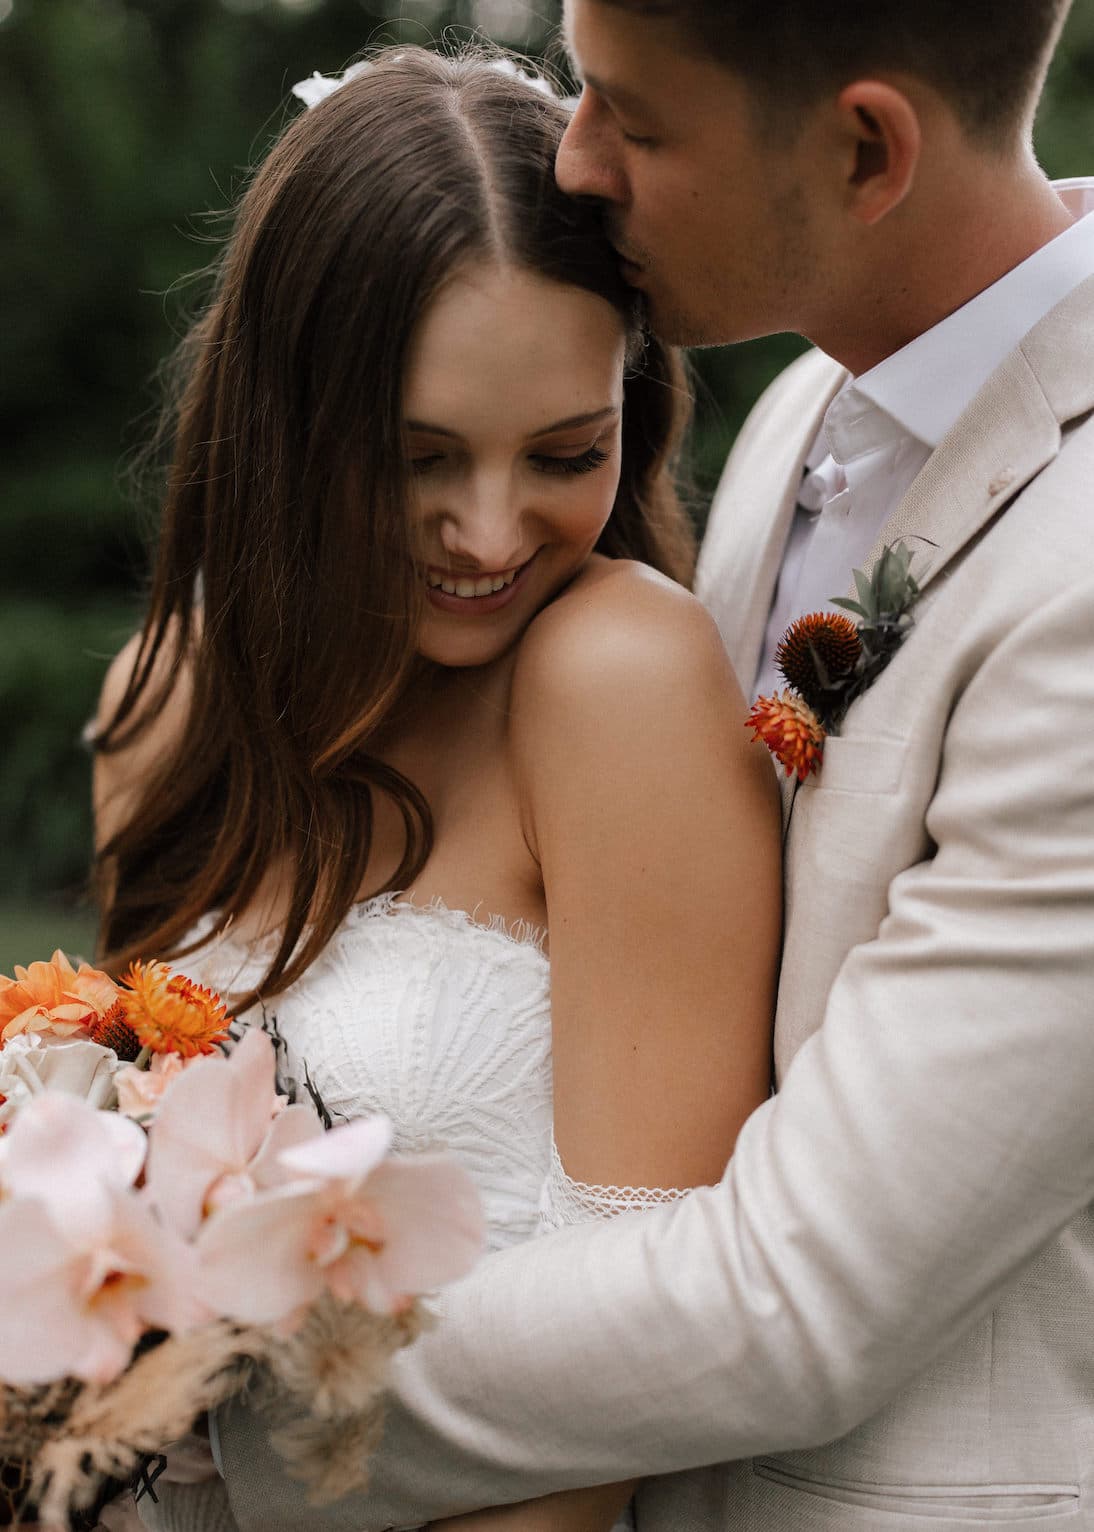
(425, 461)
(583, 462)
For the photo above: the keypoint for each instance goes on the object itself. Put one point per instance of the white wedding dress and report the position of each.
(441, 1022)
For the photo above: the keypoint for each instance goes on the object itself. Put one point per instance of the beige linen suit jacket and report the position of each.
(884, 1313)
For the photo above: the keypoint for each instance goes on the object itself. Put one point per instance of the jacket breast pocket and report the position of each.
(860, 764)
(847, 1506)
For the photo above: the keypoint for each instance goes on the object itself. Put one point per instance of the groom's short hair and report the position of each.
(987, 58)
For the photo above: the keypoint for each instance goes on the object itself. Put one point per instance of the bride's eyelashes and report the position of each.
(584, 462)
(557, 463)
(426, 462)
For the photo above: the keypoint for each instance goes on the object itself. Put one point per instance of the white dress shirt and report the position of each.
(881, 428)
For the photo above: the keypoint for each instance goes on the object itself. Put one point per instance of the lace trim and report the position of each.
(518, 933)
(565, 1201)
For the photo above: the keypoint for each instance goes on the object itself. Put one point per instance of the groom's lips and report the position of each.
(631, 268)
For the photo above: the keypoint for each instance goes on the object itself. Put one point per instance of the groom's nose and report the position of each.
(587, 164)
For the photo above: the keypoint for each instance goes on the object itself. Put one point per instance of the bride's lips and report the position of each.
(476, 606)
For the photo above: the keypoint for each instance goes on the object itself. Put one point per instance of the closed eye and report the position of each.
(583, 462)
(550, 463)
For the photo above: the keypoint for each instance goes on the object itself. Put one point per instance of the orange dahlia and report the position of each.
(791, 730)
(170, 1013)
(55, 997)
(817, 652)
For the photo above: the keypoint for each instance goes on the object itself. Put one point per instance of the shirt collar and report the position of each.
(928, 384)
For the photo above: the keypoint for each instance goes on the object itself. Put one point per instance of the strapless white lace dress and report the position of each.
(441, 1022)
(438, 1021)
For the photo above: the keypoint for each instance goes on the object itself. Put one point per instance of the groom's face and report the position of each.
(715, 221)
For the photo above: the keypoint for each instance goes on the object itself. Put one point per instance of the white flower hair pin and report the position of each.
(317, 87)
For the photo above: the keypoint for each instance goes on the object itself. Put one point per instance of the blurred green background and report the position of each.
(126, 129)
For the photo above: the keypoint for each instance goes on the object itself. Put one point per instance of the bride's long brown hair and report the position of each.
(284, 597)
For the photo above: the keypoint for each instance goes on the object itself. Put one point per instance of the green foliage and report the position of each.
(53, 656)
(128, 127)
(30, 932)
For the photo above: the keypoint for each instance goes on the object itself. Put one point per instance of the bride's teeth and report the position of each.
(487, 585)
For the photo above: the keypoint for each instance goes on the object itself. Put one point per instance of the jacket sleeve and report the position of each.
(935, 1133)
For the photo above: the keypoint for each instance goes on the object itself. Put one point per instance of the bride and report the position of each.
(424, 746)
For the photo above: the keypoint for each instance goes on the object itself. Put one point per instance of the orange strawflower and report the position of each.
(55, 997)
(791, 730)
(170, 1013)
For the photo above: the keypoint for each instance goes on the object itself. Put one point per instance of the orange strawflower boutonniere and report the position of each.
(828, 661)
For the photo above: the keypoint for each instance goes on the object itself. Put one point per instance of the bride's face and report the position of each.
(512, 407)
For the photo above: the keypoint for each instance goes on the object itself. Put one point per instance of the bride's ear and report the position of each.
(882, 140)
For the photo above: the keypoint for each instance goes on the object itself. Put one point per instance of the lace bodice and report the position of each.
(436, 1020)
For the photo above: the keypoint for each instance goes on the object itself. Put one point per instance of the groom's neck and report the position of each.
(958, 234)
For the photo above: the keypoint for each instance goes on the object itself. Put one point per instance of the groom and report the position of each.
(883, 1316)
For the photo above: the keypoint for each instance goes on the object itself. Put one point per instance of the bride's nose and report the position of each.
(481, 528)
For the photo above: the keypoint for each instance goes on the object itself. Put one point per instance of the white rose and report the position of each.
(31, 1063)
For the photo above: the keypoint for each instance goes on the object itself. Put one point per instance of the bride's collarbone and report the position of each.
(459, 758)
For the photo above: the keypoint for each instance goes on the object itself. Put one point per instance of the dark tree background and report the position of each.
(126, 129)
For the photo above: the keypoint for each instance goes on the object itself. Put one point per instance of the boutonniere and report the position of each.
(828, 660)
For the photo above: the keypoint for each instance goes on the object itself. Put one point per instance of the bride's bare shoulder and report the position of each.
(618, 626)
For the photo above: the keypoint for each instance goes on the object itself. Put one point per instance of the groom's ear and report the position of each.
(881, 137)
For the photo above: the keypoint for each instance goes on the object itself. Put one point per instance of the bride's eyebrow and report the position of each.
(571, 423)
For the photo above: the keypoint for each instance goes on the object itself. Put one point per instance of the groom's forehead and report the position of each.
(626, 49)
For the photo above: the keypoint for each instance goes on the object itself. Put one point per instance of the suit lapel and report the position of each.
(753, 508)
(1010, 431)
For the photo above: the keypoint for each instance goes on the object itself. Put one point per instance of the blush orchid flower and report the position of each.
(94, 1269)
(368, 1231)
(61, 1152)
(75, 1302)
(217, 1131)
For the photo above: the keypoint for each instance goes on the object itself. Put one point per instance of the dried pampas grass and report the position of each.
(321, 1392)
(320, 1386)
(75, 1435)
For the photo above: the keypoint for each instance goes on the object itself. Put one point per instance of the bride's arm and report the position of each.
(655, 823)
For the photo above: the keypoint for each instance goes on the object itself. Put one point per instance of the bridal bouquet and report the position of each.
(168, 1220)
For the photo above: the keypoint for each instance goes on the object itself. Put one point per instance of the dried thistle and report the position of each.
(818, 655)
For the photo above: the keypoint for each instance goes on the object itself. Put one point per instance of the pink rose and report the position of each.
(139, 1090)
